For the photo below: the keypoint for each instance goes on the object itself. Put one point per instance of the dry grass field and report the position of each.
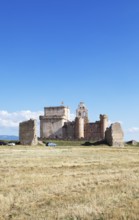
(70, 183)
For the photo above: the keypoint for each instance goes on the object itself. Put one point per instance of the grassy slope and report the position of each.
(69, 183)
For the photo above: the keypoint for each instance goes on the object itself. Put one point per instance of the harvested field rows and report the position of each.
(69, 183)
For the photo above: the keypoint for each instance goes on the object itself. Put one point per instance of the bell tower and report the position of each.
(81, 120)
(82, 111)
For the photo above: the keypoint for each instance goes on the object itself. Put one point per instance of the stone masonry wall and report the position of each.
(52, 122)
(69, 131)
(28, 132)
(114, 135)
(93, 131)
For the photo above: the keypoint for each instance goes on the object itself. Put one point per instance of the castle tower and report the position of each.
(79, 128)
(52, 122)
(104, 124)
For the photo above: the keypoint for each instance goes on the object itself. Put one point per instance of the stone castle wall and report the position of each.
(96, 131)
(93, 131)
(114, 135)
(28, 132)
(69, 131)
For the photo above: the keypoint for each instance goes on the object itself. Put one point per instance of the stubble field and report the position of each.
(70, 183)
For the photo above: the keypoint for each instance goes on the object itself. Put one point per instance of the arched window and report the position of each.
(79, 113)
(84, 114)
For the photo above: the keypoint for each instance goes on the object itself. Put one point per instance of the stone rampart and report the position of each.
(114, 135)
(28, 132)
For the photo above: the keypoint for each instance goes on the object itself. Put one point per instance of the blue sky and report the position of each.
(70, 51)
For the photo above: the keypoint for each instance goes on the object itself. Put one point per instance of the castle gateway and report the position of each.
(56, 124)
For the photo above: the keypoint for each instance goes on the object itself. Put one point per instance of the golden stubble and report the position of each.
(69, 183)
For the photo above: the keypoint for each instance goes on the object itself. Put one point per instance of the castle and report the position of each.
(56, 124)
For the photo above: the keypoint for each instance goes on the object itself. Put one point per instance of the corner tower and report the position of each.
(103, 125)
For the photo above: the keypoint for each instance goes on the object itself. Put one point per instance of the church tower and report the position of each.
(81, 120)
(82, 112)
